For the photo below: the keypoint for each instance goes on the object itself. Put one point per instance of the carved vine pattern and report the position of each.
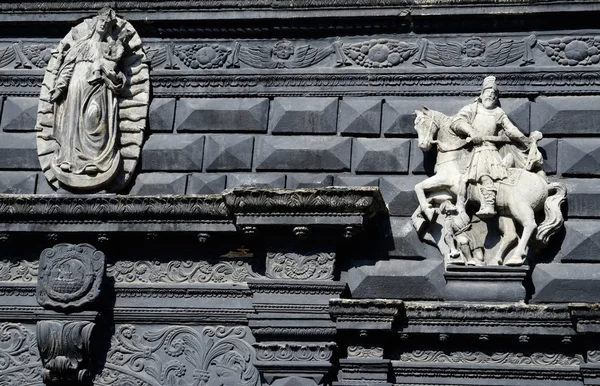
(21, 270)
(317, 266)
(365, 352)
(19, 358)
(180, 356)
(539, 359)
(294, 351)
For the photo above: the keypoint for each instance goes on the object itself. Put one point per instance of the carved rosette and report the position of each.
(296, 266)
(93, 142)
(69, 275)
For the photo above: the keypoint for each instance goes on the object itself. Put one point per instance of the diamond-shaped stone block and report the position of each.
(159, 183)
(222, 114)
(352, 180)
(202, 183)
(161, 114)
(228, 152)
(581, 242)
(566, 115)
(178, 152)
(253, 180)
(301, 181)
(583, 197)
(18, 151)
(421, 162)
(565, 283)
(380, 155)
(579, 157)
(401, 240)
(549, 149)
(303, 115)
(19, 114)
(303, 153)
(398, 116)
(17, 182)
(361, 116)
(399, 194)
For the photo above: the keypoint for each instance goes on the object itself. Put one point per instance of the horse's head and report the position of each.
(426, 128)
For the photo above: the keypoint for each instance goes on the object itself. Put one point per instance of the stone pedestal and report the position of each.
(490, 283)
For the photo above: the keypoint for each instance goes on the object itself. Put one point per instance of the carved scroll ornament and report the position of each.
(93, 105)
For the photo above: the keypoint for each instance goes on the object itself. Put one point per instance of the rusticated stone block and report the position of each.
(17, 182)
(398, 116)
(401, 240)
(397, 279)
(549, 149)
(421, 162)
(19, 114)
(202, 183)
(399, 194)
(303, 115)
(351, 180)
(301, 181)
(579, 156)
(161, 115)
(228, 152)
(566, 115)
(303, 153)
(18, 151)
(360, 116)
(222, 114)
(176, 152)
(265, 180)
(583, 197)
(565, 283)
(380, 155)
(159, 183)
(581, 242)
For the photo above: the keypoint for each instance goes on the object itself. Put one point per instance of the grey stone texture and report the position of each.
(18, 151)
(177, 152)
(303, 115)
(562, 283)
(161, 115)
(222, 115)
(17, 182)
(228, 152)
(380, 155)
(549, 149)
(303, 153)
(359, 116)
(583, 197)
(401, 241)
(263, 180)
(581, 242)
(569, 115)
(352, 180)
(159, 183)
(19, 114)
(579, 157)
(205, 183)
(421, 162)
(305, 180)
(399, 194)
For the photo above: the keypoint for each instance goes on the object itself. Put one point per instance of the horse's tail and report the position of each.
(554, 218)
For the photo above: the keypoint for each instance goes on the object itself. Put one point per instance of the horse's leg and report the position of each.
(438, 181)
(523, 213)
(508, 231)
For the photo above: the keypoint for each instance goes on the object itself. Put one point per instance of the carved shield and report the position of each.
(129, 118)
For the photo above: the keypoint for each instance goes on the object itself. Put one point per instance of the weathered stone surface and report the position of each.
(177, 152)
(222, 114)
(17, 182)
(203, 183)
(566, 115)
(399, 194)
(301, 181)
(18, 151)
(579, 156)
(549, 149)
(303, 153)
(228, 152)
(359, 116)
(401, 240)
(19, 114)
(350, 180)
(583, 197)
(303, 115)
(159, 183)
(264, 180)
(581, 242)
(421, 162)
(381, 155)
(161, 115)
(397, 279)
(565, 283)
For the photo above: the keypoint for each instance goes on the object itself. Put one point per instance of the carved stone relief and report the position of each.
(69, 275)
(572, 51)
(476, 357)
(483, 158)
(300, 266)
(294, 352)
(380, 53)
(180, 355)
(19, 358)
(93, 105)
(18, 271)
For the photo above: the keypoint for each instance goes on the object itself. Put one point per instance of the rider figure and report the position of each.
(481, 121)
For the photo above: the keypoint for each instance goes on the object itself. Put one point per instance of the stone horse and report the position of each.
(517, 201)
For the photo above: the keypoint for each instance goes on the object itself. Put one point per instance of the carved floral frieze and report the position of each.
(300, 266)
(19, 357)
(294, 352)
(18, 271)
(572, 51)
(477, 357)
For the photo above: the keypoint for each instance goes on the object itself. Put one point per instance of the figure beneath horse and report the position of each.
(479, 161)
